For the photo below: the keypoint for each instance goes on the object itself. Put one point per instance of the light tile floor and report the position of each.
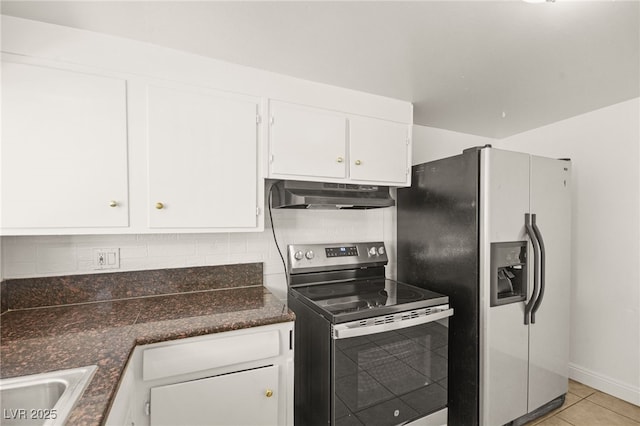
(585, 406)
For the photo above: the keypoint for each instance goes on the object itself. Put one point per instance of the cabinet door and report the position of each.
(64, 149)
(307, 141)
(248, 398)
(378, 150)
(202, 159)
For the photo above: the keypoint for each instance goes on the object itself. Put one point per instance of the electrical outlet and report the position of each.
(106, 258)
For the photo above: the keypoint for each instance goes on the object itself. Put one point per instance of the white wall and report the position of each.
(604, 147)
(430, 143)
(35, 256)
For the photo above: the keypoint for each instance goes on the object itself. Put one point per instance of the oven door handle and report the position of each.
(355, 329)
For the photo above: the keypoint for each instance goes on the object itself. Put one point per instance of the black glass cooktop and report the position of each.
(357, 299)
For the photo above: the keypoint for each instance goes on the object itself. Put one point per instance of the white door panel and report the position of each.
(378, 150)
(64, 149)
(246, 398)
(549, 335)
(202, 159)
(307, 141)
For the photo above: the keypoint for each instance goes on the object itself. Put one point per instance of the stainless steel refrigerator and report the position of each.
(491, 229)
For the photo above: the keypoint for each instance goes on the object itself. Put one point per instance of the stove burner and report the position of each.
(405, 295)
(321, 291)
(351, 306)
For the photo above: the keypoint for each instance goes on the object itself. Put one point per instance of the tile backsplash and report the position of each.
(39, 256)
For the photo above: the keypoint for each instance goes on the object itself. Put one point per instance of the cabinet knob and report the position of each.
(268, 393)
(339, 160)
(113, 203)
(358, 162)
(159, 206)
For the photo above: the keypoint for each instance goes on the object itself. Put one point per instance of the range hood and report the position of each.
(291, 194)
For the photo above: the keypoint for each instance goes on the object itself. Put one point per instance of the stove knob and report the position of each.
(309, 255)
(381, 250)
(298, 255)
(373, 251)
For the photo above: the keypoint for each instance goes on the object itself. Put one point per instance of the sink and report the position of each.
(42, 399)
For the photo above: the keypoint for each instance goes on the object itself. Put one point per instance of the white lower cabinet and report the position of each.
(236, 378)
(247, 397)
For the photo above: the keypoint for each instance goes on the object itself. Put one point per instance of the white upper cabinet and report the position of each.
(314, 144)
(307, 141)
(202, 153)
(64, 149)
(378, 150)
(104, 135)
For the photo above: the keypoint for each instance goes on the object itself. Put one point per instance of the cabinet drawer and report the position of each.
(200, 355)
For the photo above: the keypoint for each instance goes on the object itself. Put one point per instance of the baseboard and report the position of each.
(605, 384)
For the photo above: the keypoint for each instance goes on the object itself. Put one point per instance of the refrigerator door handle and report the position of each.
(538, 234)
(536, 258)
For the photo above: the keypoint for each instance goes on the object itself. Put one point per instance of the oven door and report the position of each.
(390, 370)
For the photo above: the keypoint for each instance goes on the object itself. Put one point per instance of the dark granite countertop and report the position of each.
(104, 333)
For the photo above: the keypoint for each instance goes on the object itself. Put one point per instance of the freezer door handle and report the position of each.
(538, 235)
(528, 317)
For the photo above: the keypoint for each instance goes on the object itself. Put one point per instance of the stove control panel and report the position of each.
(341, 251)
(305, 257)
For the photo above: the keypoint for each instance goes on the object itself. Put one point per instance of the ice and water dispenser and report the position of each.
(508, 272)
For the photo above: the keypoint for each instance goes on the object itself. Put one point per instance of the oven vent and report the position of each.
(402, 316)
(379, 324)
(410, 315)
(383, 320)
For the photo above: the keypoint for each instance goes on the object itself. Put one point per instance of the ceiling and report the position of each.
(485, 68)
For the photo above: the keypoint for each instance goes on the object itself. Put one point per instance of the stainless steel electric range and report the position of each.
(368, 350)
